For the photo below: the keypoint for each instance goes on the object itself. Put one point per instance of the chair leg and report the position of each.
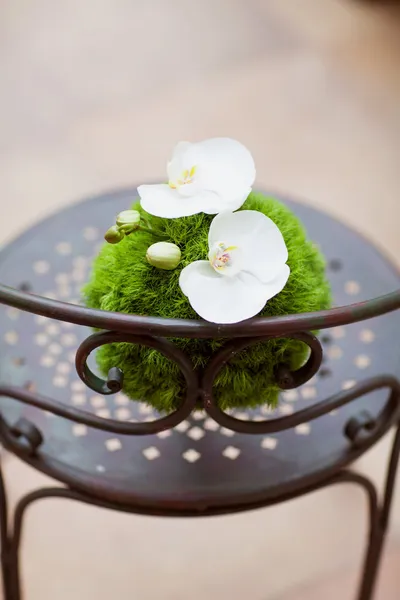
(372, 559)
(4, 539)
(379, 521)
(15, 540)
(13, 552)
(12, 562)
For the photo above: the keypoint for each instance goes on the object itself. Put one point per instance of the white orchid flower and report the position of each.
(212, 176)
(246, 267)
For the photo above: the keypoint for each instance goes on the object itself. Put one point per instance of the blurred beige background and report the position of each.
(93, 96)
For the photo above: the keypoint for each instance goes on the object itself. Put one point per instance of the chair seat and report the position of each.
(198, 464)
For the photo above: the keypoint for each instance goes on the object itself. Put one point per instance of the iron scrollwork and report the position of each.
(199, 393)
(25, 440)
(153, 332)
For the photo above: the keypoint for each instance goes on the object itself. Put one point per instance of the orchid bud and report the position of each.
(114, 235)
(164, 255)
(128, 221)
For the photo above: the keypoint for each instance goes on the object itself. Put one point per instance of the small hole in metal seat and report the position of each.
(231, 452)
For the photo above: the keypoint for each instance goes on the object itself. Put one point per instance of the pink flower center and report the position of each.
(222, 258)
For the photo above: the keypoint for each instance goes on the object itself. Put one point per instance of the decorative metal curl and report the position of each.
(114, 381)
(284, 376)
(143, 330)
(17, 441)
(23, 437)
(27, 434)
(363, 435)
(362, 427)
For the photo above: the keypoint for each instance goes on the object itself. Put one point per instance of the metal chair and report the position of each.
(111, 452)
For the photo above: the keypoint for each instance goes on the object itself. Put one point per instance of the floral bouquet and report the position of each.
(204, 245)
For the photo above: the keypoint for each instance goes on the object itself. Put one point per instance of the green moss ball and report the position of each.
(123, 281)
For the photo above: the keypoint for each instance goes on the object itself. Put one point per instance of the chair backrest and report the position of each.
(156, 333)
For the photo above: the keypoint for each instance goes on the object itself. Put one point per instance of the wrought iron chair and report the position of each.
(118, 454)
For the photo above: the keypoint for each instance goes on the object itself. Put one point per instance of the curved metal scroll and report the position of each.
(285, 378)
(20, 442)
(114, 384)
(360, 430)
(388, 415)
(145, 330)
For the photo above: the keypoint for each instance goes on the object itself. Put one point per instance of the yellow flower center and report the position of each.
(186, 177)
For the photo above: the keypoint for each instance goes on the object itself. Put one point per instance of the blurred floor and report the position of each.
(338, 585)
(93, 96)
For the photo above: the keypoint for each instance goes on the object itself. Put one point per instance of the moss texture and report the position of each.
(123, 281)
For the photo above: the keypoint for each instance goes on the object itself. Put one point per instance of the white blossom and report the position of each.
(212, 176)
(246, 267)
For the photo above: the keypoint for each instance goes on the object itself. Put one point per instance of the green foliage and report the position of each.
(123, 281)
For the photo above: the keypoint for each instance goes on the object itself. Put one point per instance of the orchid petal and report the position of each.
(222, 299)
(215, 175)
(263, 249)
(162, 201)
(227, 168)
(177, 163)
